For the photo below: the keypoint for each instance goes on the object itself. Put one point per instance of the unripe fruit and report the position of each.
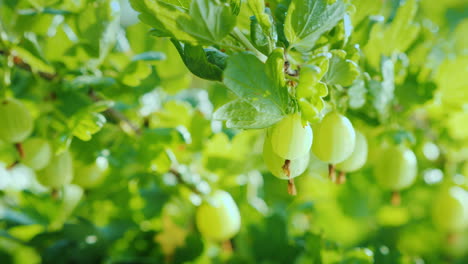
(396, 168)
(450, 209)
(37, 153)
(8, 153)
(58, 172)
(334, 139)
(465, 169)
(90, 175)
(290, 139)
(72, 195)
(219, 219)
(275, 163)
(15, 120)
(358, 157)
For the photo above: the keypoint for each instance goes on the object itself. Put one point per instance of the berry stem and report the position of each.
(285, 168)
(396, 198)
(331, 172)
(291, 186)
(227, 246)
(19, 148)
(11, 166)
(54, 193)
(451, 238)
(341, 178)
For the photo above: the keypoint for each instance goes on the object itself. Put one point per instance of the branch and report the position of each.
(114, 114)
(20, 63)
(181, 180)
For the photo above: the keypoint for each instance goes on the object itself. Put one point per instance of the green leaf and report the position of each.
(262, 31)
(359, 256)
(253, 85)
(314, 248)
(341, 71)
(85, 126)
(197, 62)
(259, 39)
(383, 92)
(457, 125)
(100, 106)
(279, 249)
(216, 57)
(85, 81)
(357, 94)
(365, 8)
(241, 114)
(258, 9)
(36, 63)
(263, 97)
(193, 247)
(452, 82)
(135, 72)
(87, 121)
(209, 22)
(310, 76)
(235, 6)
(163, 17)
(397, 36)
(307, 20)
(149, 56)
(172, 72)
(108, 36)
(275, 71)
(182, 3)
(413, 92)
(310, 90)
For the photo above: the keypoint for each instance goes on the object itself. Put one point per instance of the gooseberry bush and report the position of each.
(234, 131)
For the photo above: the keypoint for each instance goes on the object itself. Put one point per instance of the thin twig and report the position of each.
(114, 114)
(181, 180)
(20, 63)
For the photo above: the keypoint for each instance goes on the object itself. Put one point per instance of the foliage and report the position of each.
(176, 97)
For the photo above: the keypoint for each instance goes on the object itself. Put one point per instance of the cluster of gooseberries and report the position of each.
(286, 150)
(57, 171)
(286, 153)
(53, 170)
(334, 141)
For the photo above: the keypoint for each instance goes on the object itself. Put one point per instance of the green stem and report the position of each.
(242, 39)
(227, 46)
